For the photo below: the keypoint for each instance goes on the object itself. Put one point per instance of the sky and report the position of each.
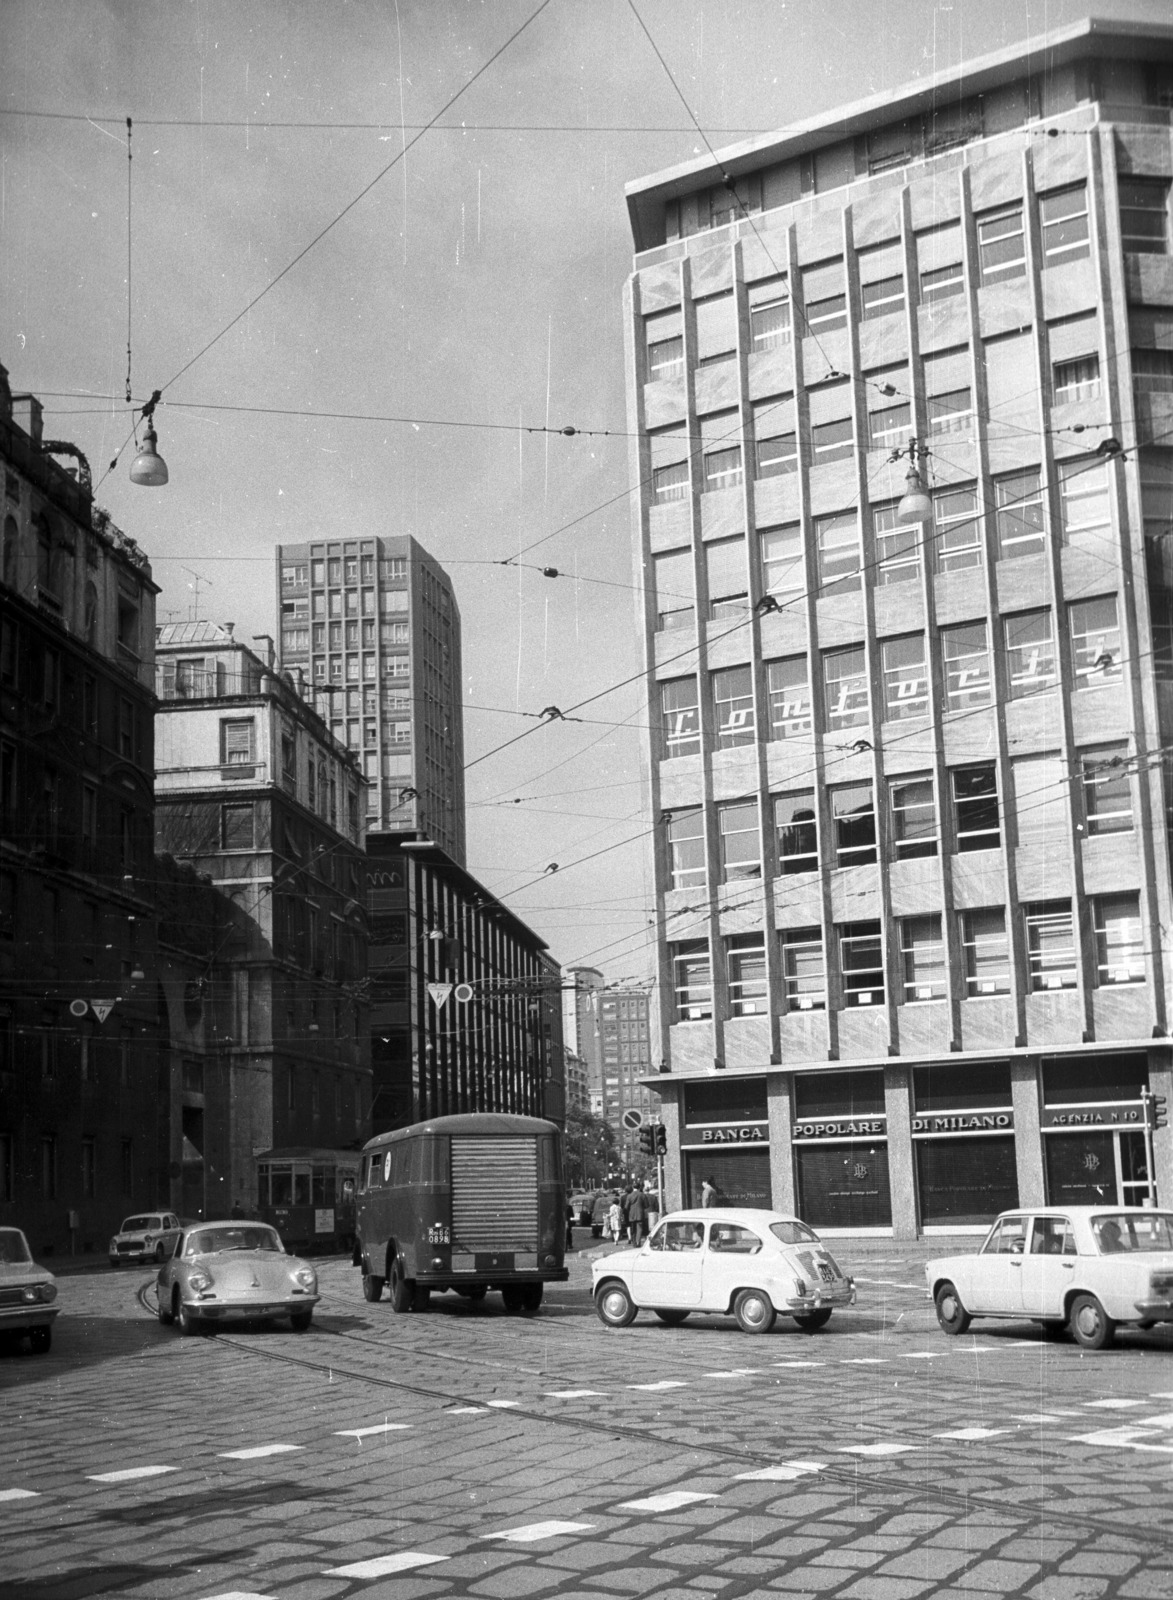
(451, 307)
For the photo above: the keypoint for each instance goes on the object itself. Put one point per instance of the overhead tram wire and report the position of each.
(250, 124)
(347, 208)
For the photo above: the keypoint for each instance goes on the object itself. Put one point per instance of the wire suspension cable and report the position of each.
(129, 257)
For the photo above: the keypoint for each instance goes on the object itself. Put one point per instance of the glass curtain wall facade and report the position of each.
(917, 766)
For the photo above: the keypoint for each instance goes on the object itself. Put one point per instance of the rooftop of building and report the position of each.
(1095, 38)
(382, 846)
(182, 635)
(22, 442)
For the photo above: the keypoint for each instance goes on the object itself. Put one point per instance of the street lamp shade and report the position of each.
(148, 468)
(915, 503)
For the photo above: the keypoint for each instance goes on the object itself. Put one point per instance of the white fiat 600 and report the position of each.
(745, 1263)
(1090, 1269)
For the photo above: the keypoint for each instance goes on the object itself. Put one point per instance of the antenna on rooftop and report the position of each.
(193, 611)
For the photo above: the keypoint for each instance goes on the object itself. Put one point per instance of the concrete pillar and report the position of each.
(671, 1110)
(901, 1167)
(780, 1114)
(1028, 1138)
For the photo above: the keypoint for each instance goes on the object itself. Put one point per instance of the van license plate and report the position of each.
(498, 1263)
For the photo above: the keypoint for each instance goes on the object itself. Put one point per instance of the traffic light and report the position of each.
(1157, 1117)
(661, 1139)
(647, 1142)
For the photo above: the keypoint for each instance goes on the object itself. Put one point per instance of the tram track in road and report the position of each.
(961, 1501)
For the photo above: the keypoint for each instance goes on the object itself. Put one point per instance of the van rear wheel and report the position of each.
(400, 1289)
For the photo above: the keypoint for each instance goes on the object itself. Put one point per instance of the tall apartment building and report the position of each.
(374, 626)
(83, 1030)
(582, 1030)
(914, 872)
(253, 790)
(625, 1046)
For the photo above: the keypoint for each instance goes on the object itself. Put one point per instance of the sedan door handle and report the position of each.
(1015, 1261)
(1068, 1266)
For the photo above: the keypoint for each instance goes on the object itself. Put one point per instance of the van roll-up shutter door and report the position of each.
(494, 1194)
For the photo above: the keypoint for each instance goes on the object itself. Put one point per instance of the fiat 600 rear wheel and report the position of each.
(754, 1311)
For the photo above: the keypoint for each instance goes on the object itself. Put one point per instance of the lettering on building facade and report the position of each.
(964, 1124)
(748, 1133)
(1101, 1117)
(845, 1128)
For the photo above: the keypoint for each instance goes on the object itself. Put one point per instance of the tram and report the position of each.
(309, 1196)
(471, 1202)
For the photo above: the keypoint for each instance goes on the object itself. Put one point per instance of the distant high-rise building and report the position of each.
(374, 626)
(608, 1030)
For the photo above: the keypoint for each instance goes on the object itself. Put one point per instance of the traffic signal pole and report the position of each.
(1154, 1117)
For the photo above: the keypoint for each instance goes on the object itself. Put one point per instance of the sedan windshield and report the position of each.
(793, 1232)
(13, 1249)
(137, 1225)
(212, 1241)
(1125, 1232)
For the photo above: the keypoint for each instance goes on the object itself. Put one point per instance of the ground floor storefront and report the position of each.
(935, 1147)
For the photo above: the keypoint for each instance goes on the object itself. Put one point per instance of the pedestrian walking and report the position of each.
(569, 1226)
(708, 1193)
(615, 1218)
(637, 1216)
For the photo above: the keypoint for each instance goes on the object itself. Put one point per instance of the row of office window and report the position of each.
(1064, 236)
(335, 571)
(771, 443)
(847, 835)
(919, 970)
(842, 553)
(1001, 256)
(1029, 653)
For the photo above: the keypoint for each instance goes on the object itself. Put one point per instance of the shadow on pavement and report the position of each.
(225, 1502)
(81, 1582)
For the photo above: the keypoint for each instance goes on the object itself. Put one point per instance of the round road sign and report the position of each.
(633, 1118)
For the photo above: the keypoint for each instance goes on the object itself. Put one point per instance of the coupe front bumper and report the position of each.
(218, 1310)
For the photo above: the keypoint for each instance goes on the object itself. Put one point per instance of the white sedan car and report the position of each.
(1086, 1268)
(753, 1264)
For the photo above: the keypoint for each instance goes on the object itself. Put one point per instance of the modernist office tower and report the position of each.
(374, 626)
(913, 865)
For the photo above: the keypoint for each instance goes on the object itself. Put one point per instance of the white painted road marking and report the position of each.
(128, 1473)
(798, 1363)
(465, 1411)
(380, 1566)
(883, 1449)
(1128, 1438)
(18, 1494)
(920, 1355)
(239, 1594)
(864, 1361)
(1041, 1416)
(365, 1433)
(664, 1383)
(503, 1405)
(784, 1472)
(533, 1532)
(256, 1451)
(734, 1372)
(574, 1394)
(672, 1500)
(972, 1433)
(1112, 1405)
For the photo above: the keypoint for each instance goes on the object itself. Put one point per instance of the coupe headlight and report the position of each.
(48, 1291)
(199, 1281)
(306, 1278)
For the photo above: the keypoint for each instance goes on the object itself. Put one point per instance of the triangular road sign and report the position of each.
(102, 1008)
(439, 993)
